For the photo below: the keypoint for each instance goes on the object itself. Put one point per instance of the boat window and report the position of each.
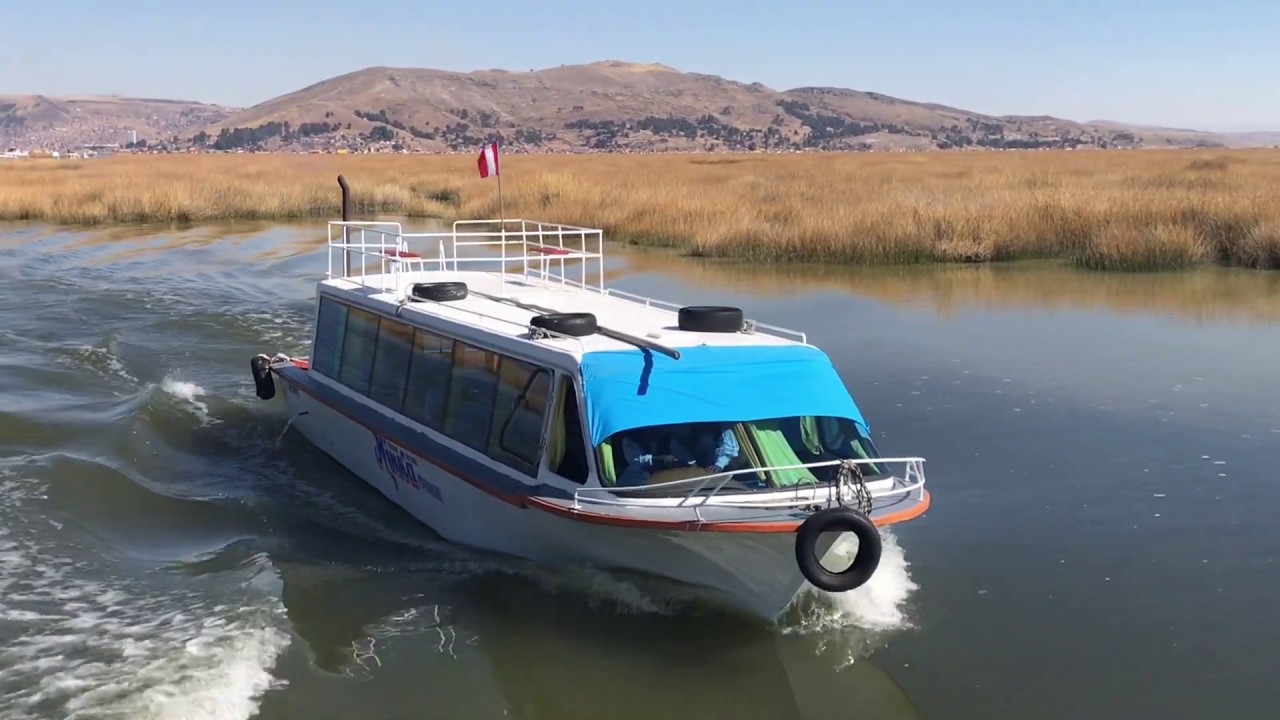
(391, 363)
(356, 367)
(429, 373)
(473, 380)
(520, 406)
(330, 326)
(566, 443)
(663, 453)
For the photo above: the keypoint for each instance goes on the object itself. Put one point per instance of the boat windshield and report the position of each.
(689, 451)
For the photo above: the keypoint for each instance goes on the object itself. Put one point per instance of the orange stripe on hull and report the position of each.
(776, 526)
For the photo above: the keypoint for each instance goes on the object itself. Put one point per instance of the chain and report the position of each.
(849, 475)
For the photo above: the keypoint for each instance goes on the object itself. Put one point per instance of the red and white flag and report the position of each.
(488, 161)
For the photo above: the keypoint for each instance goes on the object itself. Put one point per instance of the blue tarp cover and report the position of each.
(626, 389)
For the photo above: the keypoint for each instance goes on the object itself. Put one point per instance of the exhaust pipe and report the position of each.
(346, 217)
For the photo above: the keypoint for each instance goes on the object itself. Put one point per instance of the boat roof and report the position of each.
(771, 371)
(505, 318)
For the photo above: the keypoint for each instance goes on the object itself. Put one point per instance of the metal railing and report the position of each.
(384, 255)
(800, 495)
(390, 249)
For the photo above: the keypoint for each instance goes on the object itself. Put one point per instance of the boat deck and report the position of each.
(521, 281)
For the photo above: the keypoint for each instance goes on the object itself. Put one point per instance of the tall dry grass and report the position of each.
(1103, 209)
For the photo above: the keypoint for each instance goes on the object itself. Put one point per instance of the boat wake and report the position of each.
(82, 641)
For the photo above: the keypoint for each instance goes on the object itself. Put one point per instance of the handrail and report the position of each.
(541, 244)
(803, 494)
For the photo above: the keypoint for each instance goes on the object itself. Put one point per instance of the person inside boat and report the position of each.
(643, 449)
(711, 446)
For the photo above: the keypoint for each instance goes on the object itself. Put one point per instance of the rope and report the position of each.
(849, 476)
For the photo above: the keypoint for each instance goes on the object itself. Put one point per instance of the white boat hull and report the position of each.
(755, 572)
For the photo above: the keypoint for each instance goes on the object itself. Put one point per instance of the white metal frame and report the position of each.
(802, 495)
(541, 245)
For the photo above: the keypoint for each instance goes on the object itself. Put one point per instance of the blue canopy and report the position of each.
(627, 389)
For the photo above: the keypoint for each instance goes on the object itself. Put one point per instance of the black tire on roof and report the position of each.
(710, 318)
(572, 324)
(439, 291)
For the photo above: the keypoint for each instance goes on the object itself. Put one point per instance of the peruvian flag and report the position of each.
(488, 161)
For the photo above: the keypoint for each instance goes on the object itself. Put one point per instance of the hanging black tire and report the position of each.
(439, 291)
(710, 318)
(572, 324)
(838, 519)
(263, 383)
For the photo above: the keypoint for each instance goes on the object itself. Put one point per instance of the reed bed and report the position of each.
(1114, 210)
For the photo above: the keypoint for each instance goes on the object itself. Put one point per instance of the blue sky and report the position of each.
(1209, 65)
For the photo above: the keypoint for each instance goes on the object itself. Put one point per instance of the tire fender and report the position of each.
(264, 385)
(838, 519)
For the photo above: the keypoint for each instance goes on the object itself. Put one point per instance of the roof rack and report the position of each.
(385, 252)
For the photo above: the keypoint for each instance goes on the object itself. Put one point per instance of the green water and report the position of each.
(1100, 452)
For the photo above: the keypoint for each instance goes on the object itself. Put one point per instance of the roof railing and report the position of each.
(385, 246)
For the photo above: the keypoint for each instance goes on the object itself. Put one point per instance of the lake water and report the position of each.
(1102, 544)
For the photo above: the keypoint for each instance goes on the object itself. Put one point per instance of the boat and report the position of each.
(486, 380)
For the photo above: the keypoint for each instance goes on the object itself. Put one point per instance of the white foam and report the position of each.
(879, 605)
(102, 361)
(853, 624)
(188, 392)
(89, 645)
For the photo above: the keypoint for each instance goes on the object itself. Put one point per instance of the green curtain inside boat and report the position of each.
(555, 437)
(604, 457)
(774, 450)
(809, 434)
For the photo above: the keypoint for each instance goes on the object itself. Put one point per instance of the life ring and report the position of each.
(839, 519)
(709, 318)
(578, 324)
(438, 291)
(263, 383)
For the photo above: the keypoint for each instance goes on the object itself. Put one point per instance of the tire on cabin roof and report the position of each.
(572, 324)
(438, 291)
(710, 318)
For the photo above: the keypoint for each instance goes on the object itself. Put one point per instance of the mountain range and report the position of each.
(606, 106)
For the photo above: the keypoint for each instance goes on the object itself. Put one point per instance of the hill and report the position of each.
(55, 123)
(623, 106)
(606, 106)
(1182, 136)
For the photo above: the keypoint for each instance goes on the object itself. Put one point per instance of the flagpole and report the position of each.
(502, 210)
(489, 165)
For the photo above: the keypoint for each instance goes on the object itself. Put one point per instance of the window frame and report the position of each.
(383, 324)
(555, 375)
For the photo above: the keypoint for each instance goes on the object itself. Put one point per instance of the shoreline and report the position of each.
(1115, 210)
